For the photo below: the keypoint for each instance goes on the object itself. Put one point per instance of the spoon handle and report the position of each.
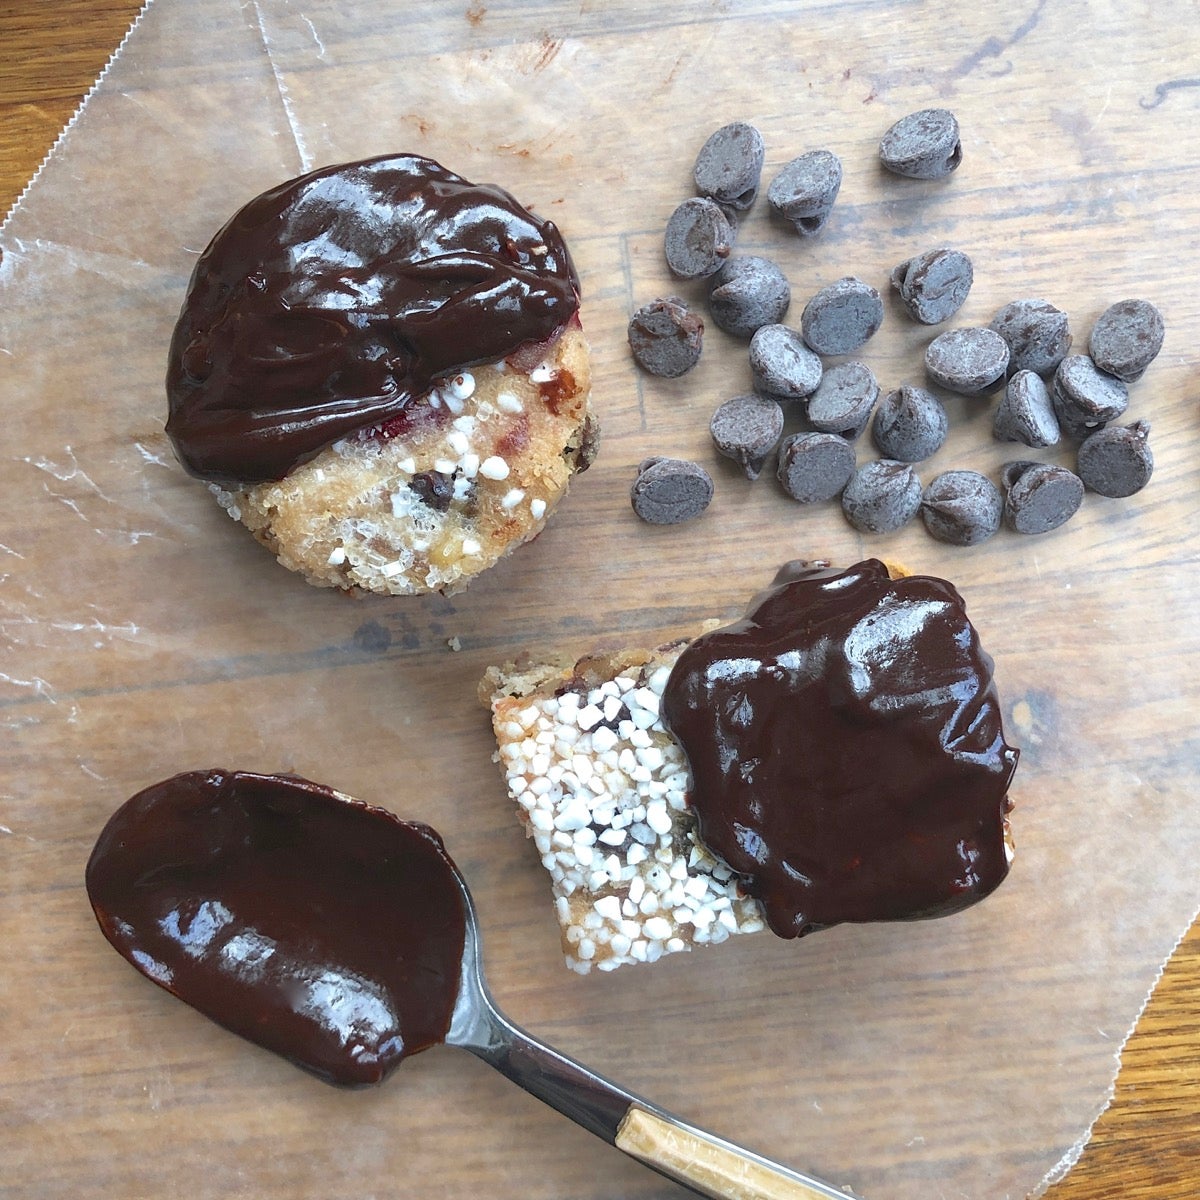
(700, 1161)
(708, 1164)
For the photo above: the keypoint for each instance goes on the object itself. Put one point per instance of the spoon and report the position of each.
(702, 1162)
(344, 939)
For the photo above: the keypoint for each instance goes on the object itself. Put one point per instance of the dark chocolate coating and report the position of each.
(846, 746)
(316, 926)
(329, 303)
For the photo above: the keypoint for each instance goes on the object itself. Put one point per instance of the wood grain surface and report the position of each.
(1148, 1143)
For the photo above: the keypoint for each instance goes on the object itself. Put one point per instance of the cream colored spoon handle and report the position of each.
(710, 1165)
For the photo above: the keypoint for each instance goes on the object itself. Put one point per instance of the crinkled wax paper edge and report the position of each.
(112, 58)
(1061, 1168)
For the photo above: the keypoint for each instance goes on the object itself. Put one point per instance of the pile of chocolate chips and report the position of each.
(1046, 394)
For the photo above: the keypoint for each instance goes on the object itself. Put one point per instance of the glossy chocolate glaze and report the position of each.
(846, 747)
(332, 302)
(318, 927)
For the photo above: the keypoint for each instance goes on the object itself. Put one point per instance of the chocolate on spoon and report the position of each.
(345, 939)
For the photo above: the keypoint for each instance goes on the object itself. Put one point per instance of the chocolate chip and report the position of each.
(934, 285)
(433, 489)
(670, 490)
(843, 401)
(910, 424)
(814, 466)
(1117, 461)
(729, 165)
(1084, 397)
(1039, 496)
(748, 293)
(698, 240)
(967, 361)
(882, 496)
(1037, 333)
(923, 145)
(1127, 338)
(804, 190)
(962, 507)
(782, 365)
(666, 337)
(747, 429)
(841, 317)
(1025, 413)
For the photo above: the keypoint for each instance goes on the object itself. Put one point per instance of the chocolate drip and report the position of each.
(330, 303)
(846, 746)
(318, 927)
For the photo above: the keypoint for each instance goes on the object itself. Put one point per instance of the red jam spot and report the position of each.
(417, 418)
(329, 303)
(846, 748)
(318, 927)
(531, 355)
(515, 439)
